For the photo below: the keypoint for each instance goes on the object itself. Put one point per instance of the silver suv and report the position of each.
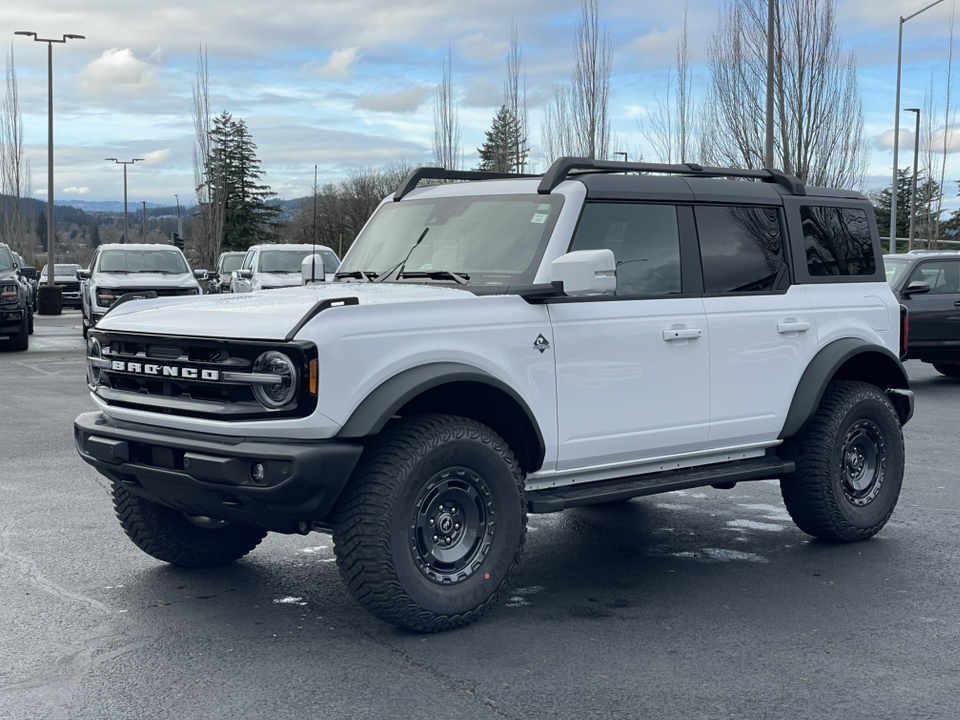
(270, 267)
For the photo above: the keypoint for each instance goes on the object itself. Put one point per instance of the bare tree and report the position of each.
(669, 127)
(577, 121)
(446, 124)
(515, 99)
(14, 168)
(818, 123)
(209, 229)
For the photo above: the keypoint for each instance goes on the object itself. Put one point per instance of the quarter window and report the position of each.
(741, 248)
(837, 241)
(645, 241)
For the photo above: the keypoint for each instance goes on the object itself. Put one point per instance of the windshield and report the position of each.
(142, 261)
(231, 263)
(495, 240)
(6, 259)
(288, 261)
(59, 269)
(895, 268)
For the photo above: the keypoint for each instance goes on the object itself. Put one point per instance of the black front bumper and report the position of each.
(11, 320)
(212, 475)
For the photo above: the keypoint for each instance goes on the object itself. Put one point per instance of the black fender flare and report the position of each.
(379, 406)
(886, 372)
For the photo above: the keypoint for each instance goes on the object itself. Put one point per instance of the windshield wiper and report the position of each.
(367, 275)
(461, 278)
(400, 265)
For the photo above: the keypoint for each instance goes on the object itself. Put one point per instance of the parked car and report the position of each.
(270, 267)
(221, 276)
(65, 276)
(122, 269)
(508, 346)
(28, 273)
(928, 284)
(16, 312)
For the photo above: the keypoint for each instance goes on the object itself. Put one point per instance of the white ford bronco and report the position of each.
(512, 345)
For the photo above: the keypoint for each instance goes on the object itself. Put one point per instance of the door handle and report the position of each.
(957, 303)
(681, 334)
(793, 326)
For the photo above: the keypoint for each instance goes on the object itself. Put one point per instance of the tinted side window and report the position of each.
(942, 276)
(837, 241)
(645, 240)
(248, 260)
(741, 248)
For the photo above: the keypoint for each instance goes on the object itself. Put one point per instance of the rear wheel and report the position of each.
(948, 369)
(432, 523)
(849, 464)
(20, 340)
(180, 539)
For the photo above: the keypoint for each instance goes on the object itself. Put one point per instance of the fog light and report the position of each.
(257, 473)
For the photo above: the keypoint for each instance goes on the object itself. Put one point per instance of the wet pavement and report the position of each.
(697, 604)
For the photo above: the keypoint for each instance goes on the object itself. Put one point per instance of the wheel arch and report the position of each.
(453, 389)
(848, 359)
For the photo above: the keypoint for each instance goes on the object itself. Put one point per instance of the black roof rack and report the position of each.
(561, 170)
(438, 173)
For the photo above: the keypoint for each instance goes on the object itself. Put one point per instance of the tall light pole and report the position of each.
(768, 149)
(916, 160)
(125, 163)
(50, 224)
(896, 131)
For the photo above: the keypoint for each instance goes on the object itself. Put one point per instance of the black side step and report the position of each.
(556, 499)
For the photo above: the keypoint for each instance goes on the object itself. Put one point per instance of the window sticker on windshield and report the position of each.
(540, 218)
(545, 207)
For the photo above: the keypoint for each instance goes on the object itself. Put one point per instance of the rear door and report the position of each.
(935, 316)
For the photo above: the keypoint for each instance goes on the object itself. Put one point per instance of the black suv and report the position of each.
(16, 310)
(928, 284)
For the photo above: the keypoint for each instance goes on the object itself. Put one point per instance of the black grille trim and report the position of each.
(197, 397)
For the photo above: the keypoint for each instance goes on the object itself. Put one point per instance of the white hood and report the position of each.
(256, 316)
(137, 280)
(273, 280)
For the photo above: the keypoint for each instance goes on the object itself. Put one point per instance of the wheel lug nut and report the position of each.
(457, 526)
(432, 521)
(435, 538)
(453, 511)
(448, 541)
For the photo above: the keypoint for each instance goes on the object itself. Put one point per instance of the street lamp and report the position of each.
(125, 163)
(896, 131)
(768, 141)
(50, 224)
(916, 160)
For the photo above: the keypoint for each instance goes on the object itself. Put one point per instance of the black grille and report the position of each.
(72, 286)
(161, 292)
(196, 397)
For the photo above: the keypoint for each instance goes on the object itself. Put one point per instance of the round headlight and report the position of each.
(94, 352)
(276, 394)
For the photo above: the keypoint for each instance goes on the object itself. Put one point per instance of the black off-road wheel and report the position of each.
(181, 539)
(20, 340)
(948, 369)
(30, 324)
(432, 523)
(849, 465)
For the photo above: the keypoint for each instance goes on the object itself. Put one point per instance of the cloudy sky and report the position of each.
(349, 83)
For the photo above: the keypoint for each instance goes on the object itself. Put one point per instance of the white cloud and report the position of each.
(481, 46)
(76, 191)
(157, 157)
(118, 70)
(405, 101)
(884, 141)
(339, 66)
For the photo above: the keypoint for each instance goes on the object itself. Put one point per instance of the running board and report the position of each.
(728, 474)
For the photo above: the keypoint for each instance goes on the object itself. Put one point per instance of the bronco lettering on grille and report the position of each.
(169, 371)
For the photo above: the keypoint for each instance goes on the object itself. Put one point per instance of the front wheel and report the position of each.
(180, 539)
(849, 464)
(432, 523)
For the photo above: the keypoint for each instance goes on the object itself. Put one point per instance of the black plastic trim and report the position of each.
(318, 308)
(383, 403)
(438, 173)
(823, 368)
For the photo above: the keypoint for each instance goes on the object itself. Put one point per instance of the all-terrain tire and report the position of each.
(432, 522)
(30, 324)
(20, 340)
(849, 462)
(178, 539)
(948, 369)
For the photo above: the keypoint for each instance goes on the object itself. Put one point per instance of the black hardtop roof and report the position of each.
(633, 180)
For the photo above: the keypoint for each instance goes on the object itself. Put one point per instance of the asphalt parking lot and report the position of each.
(697, 604)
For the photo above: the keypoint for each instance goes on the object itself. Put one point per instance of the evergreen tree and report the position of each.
(94, 236)
(41, 228)
(928, 191)
(505, 149)
(235, 172)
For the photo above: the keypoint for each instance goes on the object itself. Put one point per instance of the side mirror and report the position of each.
(586, 272)
(916, 288)
(213, 275)
(29, 272)
(83, 274)
(200, 274)
(245, 273)
(311, 270)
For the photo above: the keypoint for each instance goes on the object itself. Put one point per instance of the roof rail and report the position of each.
(562, 167)
(438, 173)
